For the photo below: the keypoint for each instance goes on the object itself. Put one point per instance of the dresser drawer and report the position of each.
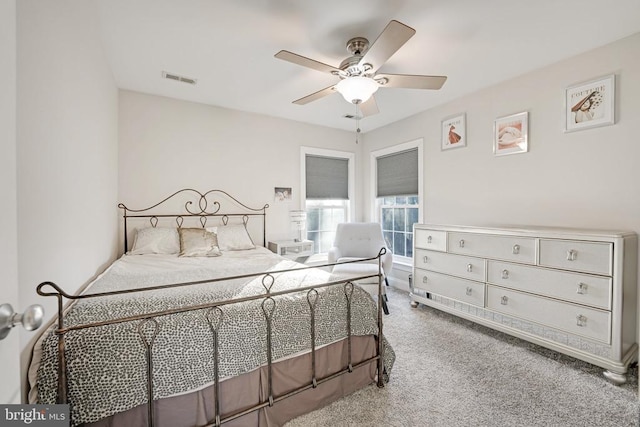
(508, 248)
(451, 287)
(430, 239)
(589, 257)
(572, 318)
(580, 288)
(455, 265)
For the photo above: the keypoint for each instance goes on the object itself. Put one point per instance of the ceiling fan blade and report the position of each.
(306, 62)
(412, 82)
(316, 95)
(388, 42)
(369, 108)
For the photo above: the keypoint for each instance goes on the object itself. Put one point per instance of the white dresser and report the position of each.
(574, 291)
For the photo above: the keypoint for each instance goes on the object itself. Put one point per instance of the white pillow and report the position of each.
(156, 240)
(234, 238)
(197, 242)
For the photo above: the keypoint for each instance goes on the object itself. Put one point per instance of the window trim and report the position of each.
(416, 143)
(350, 156)
(375, 209)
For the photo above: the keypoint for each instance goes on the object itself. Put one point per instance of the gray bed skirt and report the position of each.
(252, 388)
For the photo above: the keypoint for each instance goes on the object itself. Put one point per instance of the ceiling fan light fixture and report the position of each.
(357, 89)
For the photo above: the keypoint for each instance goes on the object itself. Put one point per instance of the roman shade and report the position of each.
(397, 174)
(327, 178)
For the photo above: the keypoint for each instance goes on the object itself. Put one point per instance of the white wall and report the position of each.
(167, 145)
(580, 179)
(8, 214)
(67, 149)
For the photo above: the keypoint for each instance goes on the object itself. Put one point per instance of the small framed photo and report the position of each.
(590, 104)
(454, 132)
(282, 194)
(510, 134)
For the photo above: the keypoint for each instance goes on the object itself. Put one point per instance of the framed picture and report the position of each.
(590, 104)
(282, 194)
(454, 132)
(510, 134)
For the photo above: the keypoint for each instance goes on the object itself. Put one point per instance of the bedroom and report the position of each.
(102, 147)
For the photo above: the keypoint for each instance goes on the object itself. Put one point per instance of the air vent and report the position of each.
(352, 117)
(178, 78)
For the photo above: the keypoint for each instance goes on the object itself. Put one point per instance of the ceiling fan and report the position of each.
(359, 79)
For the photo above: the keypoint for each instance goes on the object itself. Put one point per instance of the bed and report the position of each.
(214, 329)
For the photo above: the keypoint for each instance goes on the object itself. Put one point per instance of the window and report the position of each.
(322, 218)
(398, 214)
(327, 183)
(397, 190)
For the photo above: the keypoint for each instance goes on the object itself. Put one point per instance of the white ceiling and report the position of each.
(229, 47)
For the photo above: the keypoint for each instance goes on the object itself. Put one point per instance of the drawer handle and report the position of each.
(516, 249)
(469, 268)
(424, 279)
(429, 238)
(581, 320)
(504, 300)
(469, 290)
(461, 243)
(582, 288)
(425, 259)
(505, 274)
(572, 255)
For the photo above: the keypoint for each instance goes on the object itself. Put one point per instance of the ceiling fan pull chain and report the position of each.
(357, 121)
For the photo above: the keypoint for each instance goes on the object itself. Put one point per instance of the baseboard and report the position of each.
(397, 283)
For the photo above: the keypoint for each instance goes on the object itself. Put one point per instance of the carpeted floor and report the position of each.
(451, 372)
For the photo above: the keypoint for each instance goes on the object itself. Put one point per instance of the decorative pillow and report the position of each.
(234, 238)
(156, 240)
(198, 242)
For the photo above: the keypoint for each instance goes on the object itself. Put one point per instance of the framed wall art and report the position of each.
(282, 194)
(590, 104)
(510, 134)
(454, 132)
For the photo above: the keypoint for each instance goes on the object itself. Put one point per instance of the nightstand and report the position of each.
(297, 251)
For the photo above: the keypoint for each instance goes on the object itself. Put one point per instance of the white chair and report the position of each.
(357, 240)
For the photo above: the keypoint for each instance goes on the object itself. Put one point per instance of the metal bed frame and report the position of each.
(200, 212)
(148, 326)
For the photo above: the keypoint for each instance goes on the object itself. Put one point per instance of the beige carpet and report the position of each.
(451, 372)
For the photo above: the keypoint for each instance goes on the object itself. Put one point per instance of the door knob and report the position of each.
(31, 319)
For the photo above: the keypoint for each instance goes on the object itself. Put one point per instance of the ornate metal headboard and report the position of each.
(200, 206)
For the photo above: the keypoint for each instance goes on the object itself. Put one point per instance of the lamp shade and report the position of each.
(298, 216)
(357, 89)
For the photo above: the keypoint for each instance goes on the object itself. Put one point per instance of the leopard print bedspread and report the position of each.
(106, 365)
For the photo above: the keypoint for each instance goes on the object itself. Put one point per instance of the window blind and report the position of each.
(397, 174)
(327, 178)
